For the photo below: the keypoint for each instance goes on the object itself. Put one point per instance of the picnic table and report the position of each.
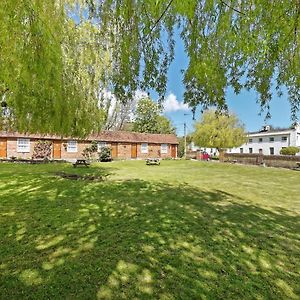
(153, 161)
(81, 162)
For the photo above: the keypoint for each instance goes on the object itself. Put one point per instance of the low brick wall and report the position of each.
(282, 161)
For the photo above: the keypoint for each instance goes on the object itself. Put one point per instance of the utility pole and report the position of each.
(184, 126)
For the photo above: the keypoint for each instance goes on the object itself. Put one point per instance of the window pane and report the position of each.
(144, 148)
(23, 145)
(72, 146)
(100, 145)
(164, 148)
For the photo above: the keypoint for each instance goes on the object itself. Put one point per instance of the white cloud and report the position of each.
(171, 104)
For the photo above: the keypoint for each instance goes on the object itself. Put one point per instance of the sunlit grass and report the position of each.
(182, 230)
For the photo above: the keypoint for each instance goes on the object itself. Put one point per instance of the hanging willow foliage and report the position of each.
(57, 55)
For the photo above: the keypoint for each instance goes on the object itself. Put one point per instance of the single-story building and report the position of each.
(124, 145)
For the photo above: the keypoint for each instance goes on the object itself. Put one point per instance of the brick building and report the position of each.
(124, 145)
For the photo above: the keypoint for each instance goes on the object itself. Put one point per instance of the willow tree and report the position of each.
(220, 131)
(49, 86)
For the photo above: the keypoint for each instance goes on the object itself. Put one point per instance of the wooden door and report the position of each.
(173, 151)
(57, 150)
(114, 150)
(3, 148)
(133, 150)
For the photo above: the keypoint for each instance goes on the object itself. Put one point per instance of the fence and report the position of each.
(282, 161)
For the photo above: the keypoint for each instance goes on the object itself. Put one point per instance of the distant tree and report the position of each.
(149, 120)
(182, 144)
(220, 131)
(164, 125)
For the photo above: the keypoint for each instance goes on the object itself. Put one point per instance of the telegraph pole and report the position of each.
(184, 126)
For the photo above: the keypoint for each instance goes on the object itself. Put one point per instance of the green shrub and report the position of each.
(289, 151)
(105, 154)
(214, 157)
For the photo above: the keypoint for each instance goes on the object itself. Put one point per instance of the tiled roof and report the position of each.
(107, 136)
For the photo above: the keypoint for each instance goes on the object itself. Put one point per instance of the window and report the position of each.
(271, 139)
(250, 150)
(100, 145)
(250, 141)
(164, 148)
(23, 145)
(144, 148)
(72, 146)
(241, 150)
(284, 139)
(260, 151)
(271, 151)
(260, 140)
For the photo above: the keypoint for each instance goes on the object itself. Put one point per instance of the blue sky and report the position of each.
(244, 104)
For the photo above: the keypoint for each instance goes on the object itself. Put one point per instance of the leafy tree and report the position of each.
(149, 120)
(57, 56)
(290, 150)
(164, 125)
(182, 144)
(219, 131)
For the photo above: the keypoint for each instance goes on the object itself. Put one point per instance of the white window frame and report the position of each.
(164, 148)
(72, 146)
(23, 145)
(101, 145)
(144, 148)
(284, 139)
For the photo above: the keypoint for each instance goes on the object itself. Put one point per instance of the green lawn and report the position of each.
(181, 230)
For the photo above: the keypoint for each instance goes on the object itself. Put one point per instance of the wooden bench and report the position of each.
(153, 161)
(81, 162)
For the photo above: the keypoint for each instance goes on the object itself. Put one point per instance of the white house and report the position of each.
(270, 141)
(210, 151)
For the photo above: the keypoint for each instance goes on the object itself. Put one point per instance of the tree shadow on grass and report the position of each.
(145, 240)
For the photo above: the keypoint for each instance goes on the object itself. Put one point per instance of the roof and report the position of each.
(272, 131)
(105, 136)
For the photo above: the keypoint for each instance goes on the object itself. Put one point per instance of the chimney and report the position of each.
(266, 128)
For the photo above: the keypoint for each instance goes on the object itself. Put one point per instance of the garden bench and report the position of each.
(81, 162)
(153, 161)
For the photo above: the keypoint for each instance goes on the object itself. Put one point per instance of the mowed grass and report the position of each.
(181, 230)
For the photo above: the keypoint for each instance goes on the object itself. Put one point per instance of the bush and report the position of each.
(289, 151)
(105, 154)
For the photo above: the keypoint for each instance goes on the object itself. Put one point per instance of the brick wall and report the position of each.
(12, 150)
(124, 150)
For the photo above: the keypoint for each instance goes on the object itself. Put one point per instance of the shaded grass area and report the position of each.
(183, 230)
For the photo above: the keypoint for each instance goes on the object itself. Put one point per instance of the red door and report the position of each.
(173, 151)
